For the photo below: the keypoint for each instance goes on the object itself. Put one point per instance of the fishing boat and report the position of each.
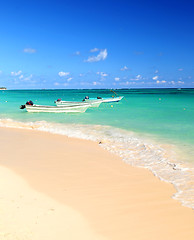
(104, 100)
(113, 99)
(94, 103)
(30, 107)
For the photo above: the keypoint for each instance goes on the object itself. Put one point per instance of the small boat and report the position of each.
(30, 107)
(94, 103)
(113, 99)
(104, 100)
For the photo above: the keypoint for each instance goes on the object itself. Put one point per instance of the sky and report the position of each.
(96, 44)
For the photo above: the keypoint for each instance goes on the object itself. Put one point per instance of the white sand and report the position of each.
(65, 188)
(26, 214)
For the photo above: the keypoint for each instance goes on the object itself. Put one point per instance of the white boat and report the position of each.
(94, 103)
(104, 100)
(112, 99)
(56, 109)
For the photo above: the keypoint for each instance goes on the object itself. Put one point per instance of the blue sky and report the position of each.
(96, 44)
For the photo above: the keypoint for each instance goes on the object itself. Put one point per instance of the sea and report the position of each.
(148, 128)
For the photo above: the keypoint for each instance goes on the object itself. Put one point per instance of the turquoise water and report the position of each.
(153, 128)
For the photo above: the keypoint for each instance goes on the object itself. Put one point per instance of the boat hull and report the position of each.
(57, 109)
(93, 103)
(114, 99)
(104, 100)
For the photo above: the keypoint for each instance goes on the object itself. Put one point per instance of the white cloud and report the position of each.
(172, 82)
(28, 78)
(29, 50)
(127, 83)
(56, 84)
(21, 76)
(101, 56)
(158, 82)
(102, 74)
(155, 77)
(180, 69)
(69, 79)
(156, 71)
(117, 79)
(63, 74)
(96, 83)
(137, 78)
(124, 68)
(94, 50)
(16, 73)
(180, 82)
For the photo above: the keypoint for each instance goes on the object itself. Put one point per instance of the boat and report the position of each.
(30, 107)
(113, 99)
(94, 103)
(104, 100)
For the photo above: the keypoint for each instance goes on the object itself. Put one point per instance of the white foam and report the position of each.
(137, 151)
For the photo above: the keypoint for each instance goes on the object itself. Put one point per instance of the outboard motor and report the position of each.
(58, 100)
(86, 97)
(22, 106)
(29, 103)
(99, 98)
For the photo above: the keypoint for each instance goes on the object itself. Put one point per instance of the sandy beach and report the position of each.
(55, 187)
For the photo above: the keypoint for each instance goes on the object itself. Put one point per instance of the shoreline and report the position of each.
(162, 159)
(117, 200)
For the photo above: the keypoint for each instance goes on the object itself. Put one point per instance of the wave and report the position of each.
(135, 150)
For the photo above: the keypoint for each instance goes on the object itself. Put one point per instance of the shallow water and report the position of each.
(151, 128)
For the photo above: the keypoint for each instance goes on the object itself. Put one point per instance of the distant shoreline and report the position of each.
(117, 89)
